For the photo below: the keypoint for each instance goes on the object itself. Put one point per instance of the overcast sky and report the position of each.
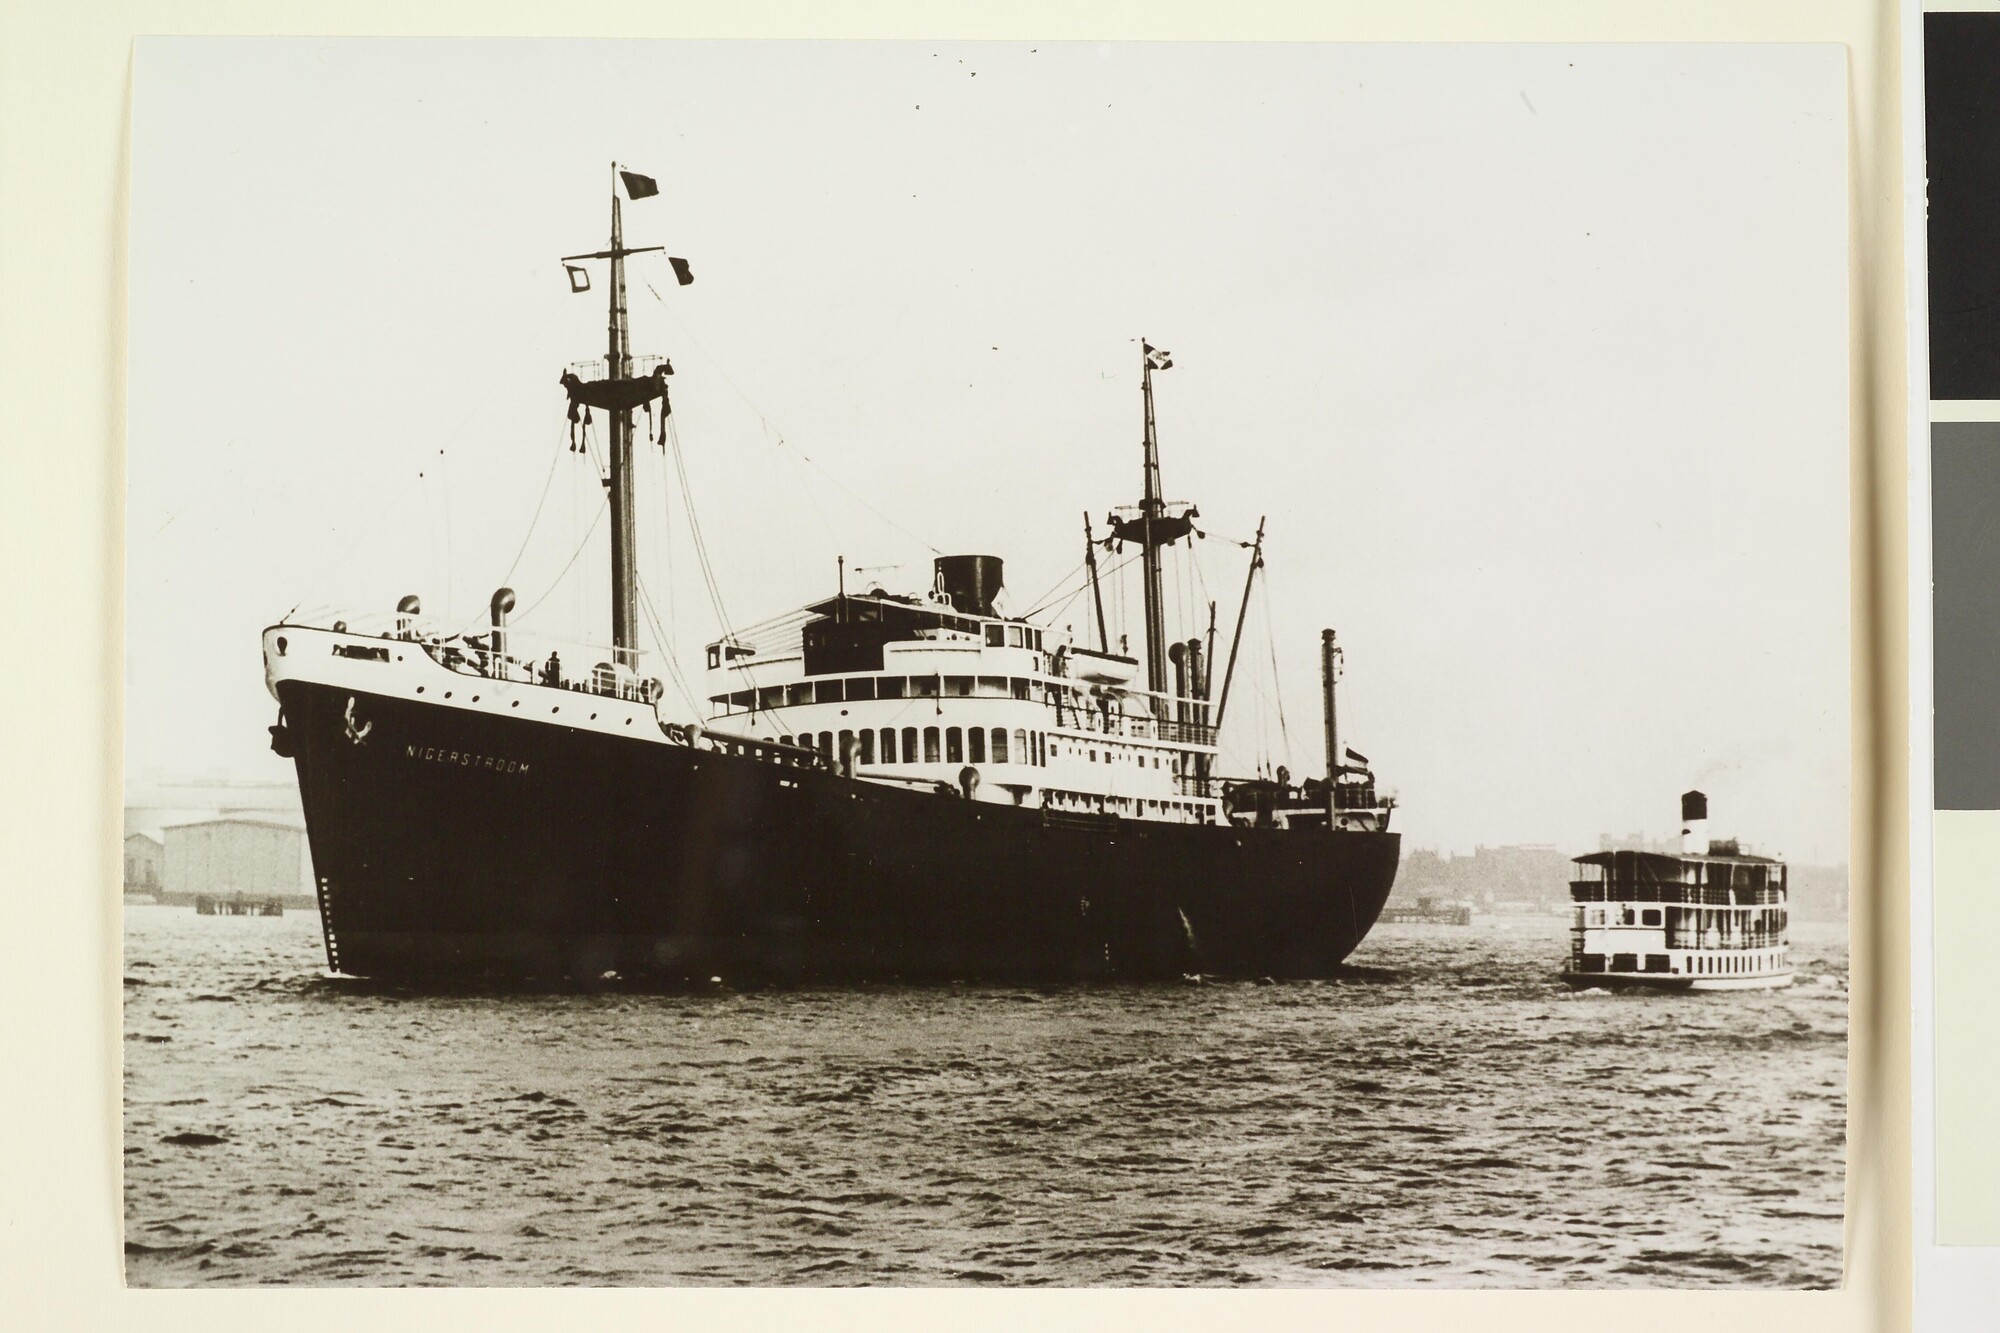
(1535, 357)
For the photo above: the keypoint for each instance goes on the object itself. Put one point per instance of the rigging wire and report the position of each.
(383, 513)
(555, 461)
(1056, 588)
(778, 434)
(694, 528)
(666, 652)
(1277, 687)
(1080, 589)
(567, 566)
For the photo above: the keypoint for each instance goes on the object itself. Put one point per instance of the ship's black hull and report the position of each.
(448, 843)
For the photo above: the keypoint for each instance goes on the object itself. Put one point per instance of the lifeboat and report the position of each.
(1102, 668)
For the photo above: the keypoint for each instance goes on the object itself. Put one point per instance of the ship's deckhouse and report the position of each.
(944, 691)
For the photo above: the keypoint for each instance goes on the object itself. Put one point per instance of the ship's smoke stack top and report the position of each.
(971, 582)
(1694, 824)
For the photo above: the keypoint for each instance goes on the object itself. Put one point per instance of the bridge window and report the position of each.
(909, 745)
(1035, 639)
(862, 687)
(771, 696)
(958, 687)
(799, 694)
(891, 687)
(830, 692)
(888, 745)
(1651, 917)
(1018, 688)
(1021, 746)
(975, 745)
(995, 636)
(954, 746)
(999, 745)
(1014, 636)
(992, 687)
(742, 698)
(923, 687)
(930, 745)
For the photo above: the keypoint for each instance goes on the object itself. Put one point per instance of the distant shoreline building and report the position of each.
(145, 855)
(235, 854)
(192, 838)
(1528, 878)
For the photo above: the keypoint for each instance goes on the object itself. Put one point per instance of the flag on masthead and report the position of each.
(682, 273)
(1157, 359)
(639, 187)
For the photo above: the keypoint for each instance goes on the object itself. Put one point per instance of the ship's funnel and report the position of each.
(971, 582)
(1694, 824)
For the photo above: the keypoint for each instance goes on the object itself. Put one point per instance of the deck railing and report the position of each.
(1586, 891)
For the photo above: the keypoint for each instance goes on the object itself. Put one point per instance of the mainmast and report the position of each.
(1149, 517)
(1154, 523)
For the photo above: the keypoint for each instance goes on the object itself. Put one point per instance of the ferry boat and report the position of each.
(883, 784)
(1713, 917)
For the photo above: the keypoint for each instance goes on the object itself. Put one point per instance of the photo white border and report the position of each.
(64, 80)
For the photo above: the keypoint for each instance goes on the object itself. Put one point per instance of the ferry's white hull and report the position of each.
(1769, 981)
(1668, 981)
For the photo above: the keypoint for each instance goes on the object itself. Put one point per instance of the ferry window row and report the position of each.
(930, 745)
(1733, 963)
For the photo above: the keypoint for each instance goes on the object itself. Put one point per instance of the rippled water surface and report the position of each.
(1446, 1115)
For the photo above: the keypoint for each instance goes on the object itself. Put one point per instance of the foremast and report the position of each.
(618, 394)
(624, 539)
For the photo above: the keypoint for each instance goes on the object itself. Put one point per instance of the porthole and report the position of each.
(515, 704)
(475, 698)
(555, 710)
(420, 689)
(281, 647)
(447, 694)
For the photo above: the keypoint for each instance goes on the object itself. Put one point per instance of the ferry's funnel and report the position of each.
(1694, 824)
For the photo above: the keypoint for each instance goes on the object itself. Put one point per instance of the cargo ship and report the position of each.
(882, 785)
(1713, 917)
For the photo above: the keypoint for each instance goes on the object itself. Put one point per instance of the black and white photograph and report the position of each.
(1059, 664)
